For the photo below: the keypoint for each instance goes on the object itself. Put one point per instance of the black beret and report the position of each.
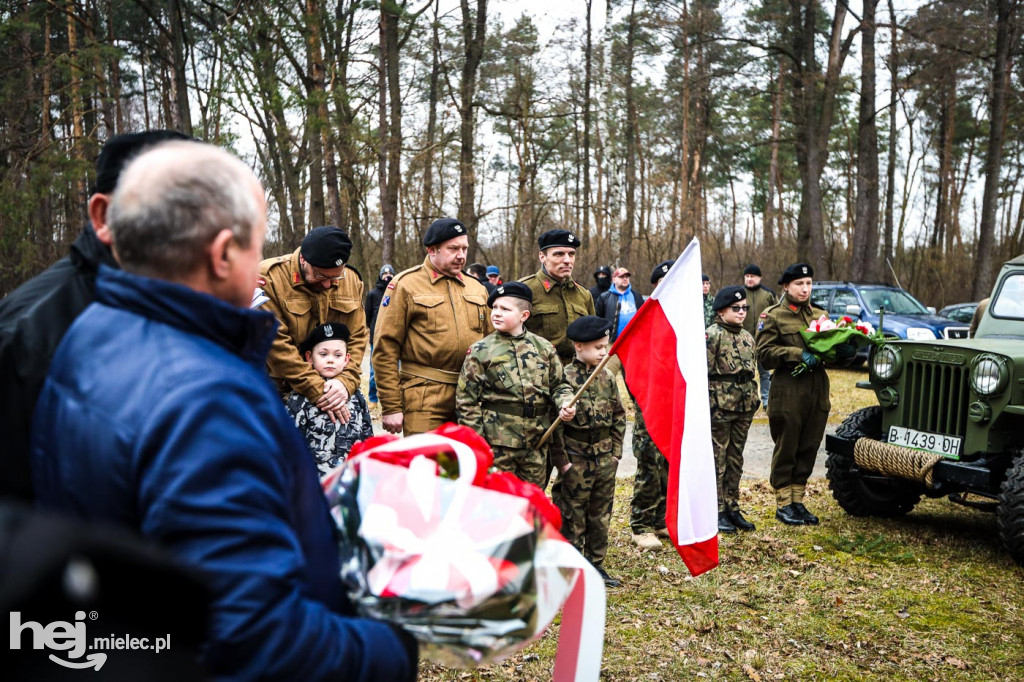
(443, 229)
(704, 277)
(120, 149)
(661, 269)
(326, 247)
(558, 238)
(752, 270)
(333, 331)
(796, 271)
(588, 328)
(513, 289)
(604, 269)
(728, 296)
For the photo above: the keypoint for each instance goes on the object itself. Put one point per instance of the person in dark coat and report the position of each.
(372, 305)
(34, 317)
(157, 416)
(603, 281)
(479, 273)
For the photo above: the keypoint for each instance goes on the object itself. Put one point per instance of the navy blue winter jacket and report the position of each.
(157, 415)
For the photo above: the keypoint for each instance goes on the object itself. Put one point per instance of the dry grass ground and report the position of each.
(931, 596)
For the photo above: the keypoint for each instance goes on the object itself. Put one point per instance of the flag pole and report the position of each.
(590, 379)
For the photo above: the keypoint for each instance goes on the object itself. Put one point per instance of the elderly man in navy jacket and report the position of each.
(157, 416)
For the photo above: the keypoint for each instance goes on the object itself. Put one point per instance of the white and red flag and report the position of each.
(664, 359)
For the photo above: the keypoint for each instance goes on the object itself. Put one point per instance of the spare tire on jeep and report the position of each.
(867, 494)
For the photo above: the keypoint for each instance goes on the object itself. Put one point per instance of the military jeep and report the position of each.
(949, 422)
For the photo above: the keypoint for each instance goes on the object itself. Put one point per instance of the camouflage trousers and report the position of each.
(729, 435)
(529, 465)
(650, 484)
(584, 496)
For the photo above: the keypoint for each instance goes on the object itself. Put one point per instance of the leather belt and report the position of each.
(441, 376)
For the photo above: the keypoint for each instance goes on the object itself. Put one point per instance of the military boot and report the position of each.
(647, 541)
(789, 515)
(725, 524)
(808, 517)
(741, 523)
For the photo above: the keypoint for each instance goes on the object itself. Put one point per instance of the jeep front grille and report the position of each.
(955, 332)
(937, 397)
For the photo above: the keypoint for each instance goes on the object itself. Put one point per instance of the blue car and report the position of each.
(905, 316)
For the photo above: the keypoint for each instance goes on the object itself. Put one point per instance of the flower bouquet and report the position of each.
(823, 337)
(468, 562)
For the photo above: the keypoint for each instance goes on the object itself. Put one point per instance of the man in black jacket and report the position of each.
(603, 279)
(34, 317)
(372, 305)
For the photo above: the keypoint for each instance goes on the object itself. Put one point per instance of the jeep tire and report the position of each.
(860, 496)
(1010, 513)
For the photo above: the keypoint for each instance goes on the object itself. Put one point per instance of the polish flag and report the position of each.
(664, 359)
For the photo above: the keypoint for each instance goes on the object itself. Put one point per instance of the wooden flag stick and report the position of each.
(597, 370)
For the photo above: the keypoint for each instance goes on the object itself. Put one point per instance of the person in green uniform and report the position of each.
(557, 298)
(798, 406)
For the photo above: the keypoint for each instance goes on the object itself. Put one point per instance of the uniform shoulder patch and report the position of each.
(261, 281)
(384, 302)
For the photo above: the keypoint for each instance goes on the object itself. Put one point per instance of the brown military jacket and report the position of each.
(780, 346)
(299, 308)
(555, 306)
(427, 321)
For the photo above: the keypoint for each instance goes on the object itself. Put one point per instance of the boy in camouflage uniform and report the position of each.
(510, 384)
(326, 349)
(593, 443)
(732, 384)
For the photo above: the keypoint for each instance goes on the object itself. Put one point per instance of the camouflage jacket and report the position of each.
(510, 388)
(330, 442)
(709, 310)
(732, 368)
(598, 411)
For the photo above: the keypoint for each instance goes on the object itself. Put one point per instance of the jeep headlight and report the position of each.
(886, 363)
(920, 334)
(989, 375)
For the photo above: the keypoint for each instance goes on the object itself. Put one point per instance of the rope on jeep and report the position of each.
(894, 460)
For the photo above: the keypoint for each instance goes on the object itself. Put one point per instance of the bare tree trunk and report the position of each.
(473, 32)
(392, 140)
(319, 125)
(587, 75)
(993, 161)
(426, 210)
(864, 254)
(890, 163)
(946, 128)
(628, 226)
(182, 109)
(773, 216)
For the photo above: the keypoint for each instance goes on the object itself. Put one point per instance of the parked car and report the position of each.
(905, 316)
(949, 421)
(959, 312)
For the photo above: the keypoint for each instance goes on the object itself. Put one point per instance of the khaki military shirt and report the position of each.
(779, 344)
(555, 306)
(509, 389)
(300, 308)
(427, 321)
(599, 414)
(758, 299)
(732, 368)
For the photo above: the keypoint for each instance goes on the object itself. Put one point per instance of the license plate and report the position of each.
(940, 444)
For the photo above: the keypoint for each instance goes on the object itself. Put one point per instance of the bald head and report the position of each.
(173, 200)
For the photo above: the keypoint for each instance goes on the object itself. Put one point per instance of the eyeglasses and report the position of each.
(321, 277)
(739, 308)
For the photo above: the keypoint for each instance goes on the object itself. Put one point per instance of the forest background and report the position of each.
(872, 138)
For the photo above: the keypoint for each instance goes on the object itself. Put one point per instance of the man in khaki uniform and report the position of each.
(305, 289)
(557, 298)
(429, 317)
(759, 297)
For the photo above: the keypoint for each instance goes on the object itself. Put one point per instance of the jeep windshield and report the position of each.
(1009, 301)
(896, 301)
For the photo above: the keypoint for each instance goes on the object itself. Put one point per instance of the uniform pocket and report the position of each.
(546, 319)
(428, 313)
(298, 306)
(476, 306)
